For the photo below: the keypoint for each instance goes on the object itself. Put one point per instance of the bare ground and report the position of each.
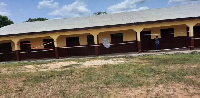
(61, 65)
(14, 87)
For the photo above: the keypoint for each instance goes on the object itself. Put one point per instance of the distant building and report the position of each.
(176, 27)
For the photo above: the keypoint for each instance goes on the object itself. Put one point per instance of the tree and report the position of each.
(4, 21)
(100, 13)
(36, 19)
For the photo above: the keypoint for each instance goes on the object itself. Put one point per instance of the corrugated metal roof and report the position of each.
(103, 20)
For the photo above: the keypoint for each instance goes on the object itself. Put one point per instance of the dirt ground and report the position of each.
(171, 90)
(62, 65)
(167, 91)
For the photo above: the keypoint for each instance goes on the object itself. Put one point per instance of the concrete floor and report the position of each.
(152, 52)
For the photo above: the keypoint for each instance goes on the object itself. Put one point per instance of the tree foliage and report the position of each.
(36, 19)
(4, 21)
(100, 13)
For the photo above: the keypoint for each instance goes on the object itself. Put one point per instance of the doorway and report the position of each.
(197, 36)
(5, 50)
(167, 38)
(71, 42)
(145, 37)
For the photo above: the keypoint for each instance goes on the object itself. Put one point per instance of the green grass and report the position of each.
(173, 59)
(23, 63)
(137, 72)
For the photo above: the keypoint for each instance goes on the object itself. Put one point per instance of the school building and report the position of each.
(176, 27)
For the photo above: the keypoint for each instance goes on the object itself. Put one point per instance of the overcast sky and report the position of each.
(20, 10)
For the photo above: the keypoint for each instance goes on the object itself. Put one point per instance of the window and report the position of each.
(50, 45)
(90, 40)
(167, 32)
(72, 41)
(25, 45)
(5, 47)
(116, 38)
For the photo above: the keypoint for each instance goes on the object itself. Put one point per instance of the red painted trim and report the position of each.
(96, 50)
(17, 55)
(139, 46)
(191, 43)
(57, 52)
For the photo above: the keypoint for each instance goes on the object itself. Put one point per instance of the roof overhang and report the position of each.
(105, 26)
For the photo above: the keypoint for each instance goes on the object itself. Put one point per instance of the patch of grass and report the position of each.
(146, 71)
(22, 63)
(173, 59)
(125, 75)
(38, 77)
(95, 82)
(179, 76)
(90, 75)
(63, 93)
(78, 60)
(126, 80)
(71, 65)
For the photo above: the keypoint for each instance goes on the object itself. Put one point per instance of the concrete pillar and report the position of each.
(191, 34)
(96, 50)
(96, 42)
(138, 42)
(56, 46)
(191, 37)
(138, 30)
(56, 49)
(96, 39)
(17, 49)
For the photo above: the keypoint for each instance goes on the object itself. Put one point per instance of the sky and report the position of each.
(20, 10)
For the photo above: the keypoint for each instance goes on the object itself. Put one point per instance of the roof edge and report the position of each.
(105, 26)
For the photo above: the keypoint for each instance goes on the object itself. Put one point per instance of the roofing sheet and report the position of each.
(103, 20)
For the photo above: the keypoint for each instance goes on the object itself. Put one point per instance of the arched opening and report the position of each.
(7, 52)
(196, 31)
(75, 45)
(146, 42)
(121, 41)
(37, 48)
(174, 37)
